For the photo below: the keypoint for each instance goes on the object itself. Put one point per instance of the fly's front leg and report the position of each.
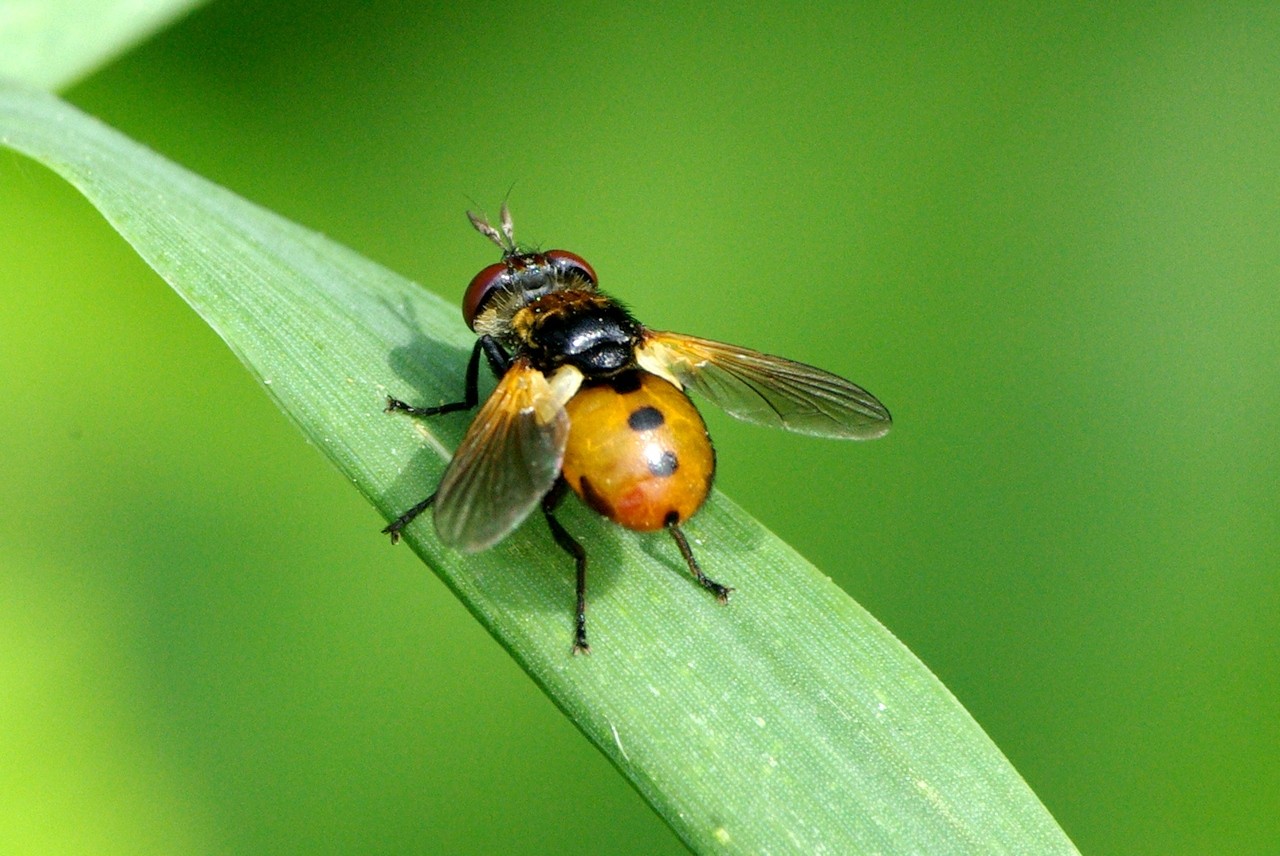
(499, 362)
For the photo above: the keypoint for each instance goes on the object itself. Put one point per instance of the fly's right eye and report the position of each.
(483, 285)
(566, 262)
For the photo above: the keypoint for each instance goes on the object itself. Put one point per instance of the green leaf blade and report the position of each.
(786, 721)
(53, 43)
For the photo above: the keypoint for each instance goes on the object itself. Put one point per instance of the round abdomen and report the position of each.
(638, 451)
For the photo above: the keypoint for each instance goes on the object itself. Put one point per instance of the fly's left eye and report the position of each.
(571, 264)
(483, 285)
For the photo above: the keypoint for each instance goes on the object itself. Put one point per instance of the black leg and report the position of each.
(574, 549)
(395, 405)
(405, 519)
(721, 592)
(499, 362)
(471, 394)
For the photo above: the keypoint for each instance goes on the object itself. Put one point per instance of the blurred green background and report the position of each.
(1048, 239)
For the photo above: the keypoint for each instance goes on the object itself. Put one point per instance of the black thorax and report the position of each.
(599, 340)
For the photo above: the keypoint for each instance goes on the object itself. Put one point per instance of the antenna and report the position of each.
(506, 239)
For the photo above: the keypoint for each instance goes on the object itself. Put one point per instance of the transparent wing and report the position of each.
(767, 390)
(508, 460)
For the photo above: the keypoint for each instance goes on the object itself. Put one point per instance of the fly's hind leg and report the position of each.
(721, 592)
(574, 549)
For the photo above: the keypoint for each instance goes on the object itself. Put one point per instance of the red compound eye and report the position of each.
(483, 286)
(570, 264)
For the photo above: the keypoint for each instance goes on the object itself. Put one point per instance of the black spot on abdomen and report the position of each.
(663, 464)
(645, 419)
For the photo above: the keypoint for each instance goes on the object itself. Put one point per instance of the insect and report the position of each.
(590, 400)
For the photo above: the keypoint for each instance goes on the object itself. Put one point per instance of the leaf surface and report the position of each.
(53, 43)
(787, 721)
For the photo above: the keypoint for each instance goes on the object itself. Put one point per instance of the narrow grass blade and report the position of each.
(787, 721)
(53, 43)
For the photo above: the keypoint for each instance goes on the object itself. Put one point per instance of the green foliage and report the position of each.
(789, 719)
(51, 43)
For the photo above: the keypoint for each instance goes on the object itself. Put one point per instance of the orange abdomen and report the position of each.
(638, 451)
